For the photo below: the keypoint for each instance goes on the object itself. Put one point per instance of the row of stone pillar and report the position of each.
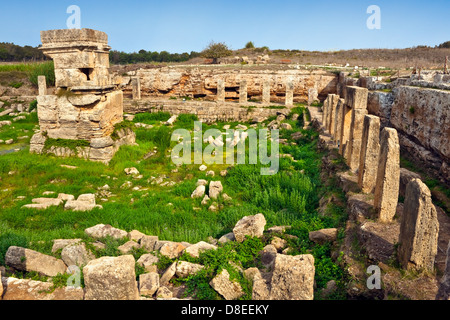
(243, 92)
(375, 156)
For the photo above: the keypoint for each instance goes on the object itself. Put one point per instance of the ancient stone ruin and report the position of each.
(86, 105)
(374, 181)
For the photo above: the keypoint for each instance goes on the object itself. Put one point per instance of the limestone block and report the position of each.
(185, 269)
(332, 113)
(338, 121)
(230, 290)
(27, 289)
(42, 84)
(136, 88)
(102, 231)
(252, 226)
(111, 278)
(197, 248)
(220, 90)
(148, 261)
(370, 149)
(419, 229)
(345, 130)
(84, 100)
(266, 92)
(289, 94)
(405, 178)
(243, 95)
(355, 138)
(76, 255)
(148, 284)
(357, 97)
(388, 176)
(30, 260)
(293, 278)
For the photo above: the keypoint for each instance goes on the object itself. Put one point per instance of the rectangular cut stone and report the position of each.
(81, 56)
(266, 92)
(42, 84)
(419, 229)
(345, 130)
(289, 94)
(220, 90)
(357, 97)
(370, 149)
(388, 176)
(338, 122)
(312, 96)
(331, 114)
(355, 138)
(243, 97)
(325, 112)
(136, 87)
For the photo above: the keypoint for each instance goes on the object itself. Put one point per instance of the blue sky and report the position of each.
(189, 25)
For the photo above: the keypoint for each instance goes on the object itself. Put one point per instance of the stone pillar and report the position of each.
(355, 139)
(325, 113)
(388, 176)
(220, 90)
(312, 96)
(243, 97)
(345, 130)
(444, 289)
(419, 229)
(266, 92)
(289, 94)
(42, 84)
(370, 149)
(338, 122)
(357, 99)
(136, 86)
(332, 104)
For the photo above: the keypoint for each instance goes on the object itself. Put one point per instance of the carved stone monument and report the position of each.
(87, 105)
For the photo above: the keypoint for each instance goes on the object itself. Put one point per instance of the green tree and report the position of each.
(250, 45)
(215, 51)
(445, 45)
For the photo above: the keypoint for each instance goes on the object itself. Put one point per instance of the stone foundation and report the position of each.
(207, 112)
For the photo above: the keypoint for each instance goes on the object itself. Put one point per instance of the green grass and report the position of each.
(30, 70)
(151, 118)
(288, 198)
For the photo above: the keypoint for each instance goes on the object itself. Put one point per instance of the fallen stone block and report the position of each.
(111, 278)
(230, 290)
(252, 226)
(30, 260)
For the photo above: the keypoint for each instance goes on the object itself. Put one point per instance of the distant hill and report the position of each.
(10, 52)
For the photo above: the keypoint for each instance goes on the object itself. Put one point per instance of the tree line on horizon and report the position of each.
(120, 57)
(10, 52)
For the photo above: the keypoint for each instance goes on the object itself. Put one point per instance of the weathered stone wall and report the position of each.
(419, 112)
(206, 111)
(62, 118)
(202, 82)
(423, 115)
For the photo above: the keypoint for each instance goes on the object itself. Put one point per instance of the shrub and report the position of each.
(250, 45)
(215, 51)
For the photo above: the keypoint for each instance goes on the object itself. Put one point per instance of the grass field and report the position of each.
(288, 198)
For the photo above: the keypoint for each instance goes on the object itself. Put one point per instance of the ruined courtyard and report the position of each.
(94, 206)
